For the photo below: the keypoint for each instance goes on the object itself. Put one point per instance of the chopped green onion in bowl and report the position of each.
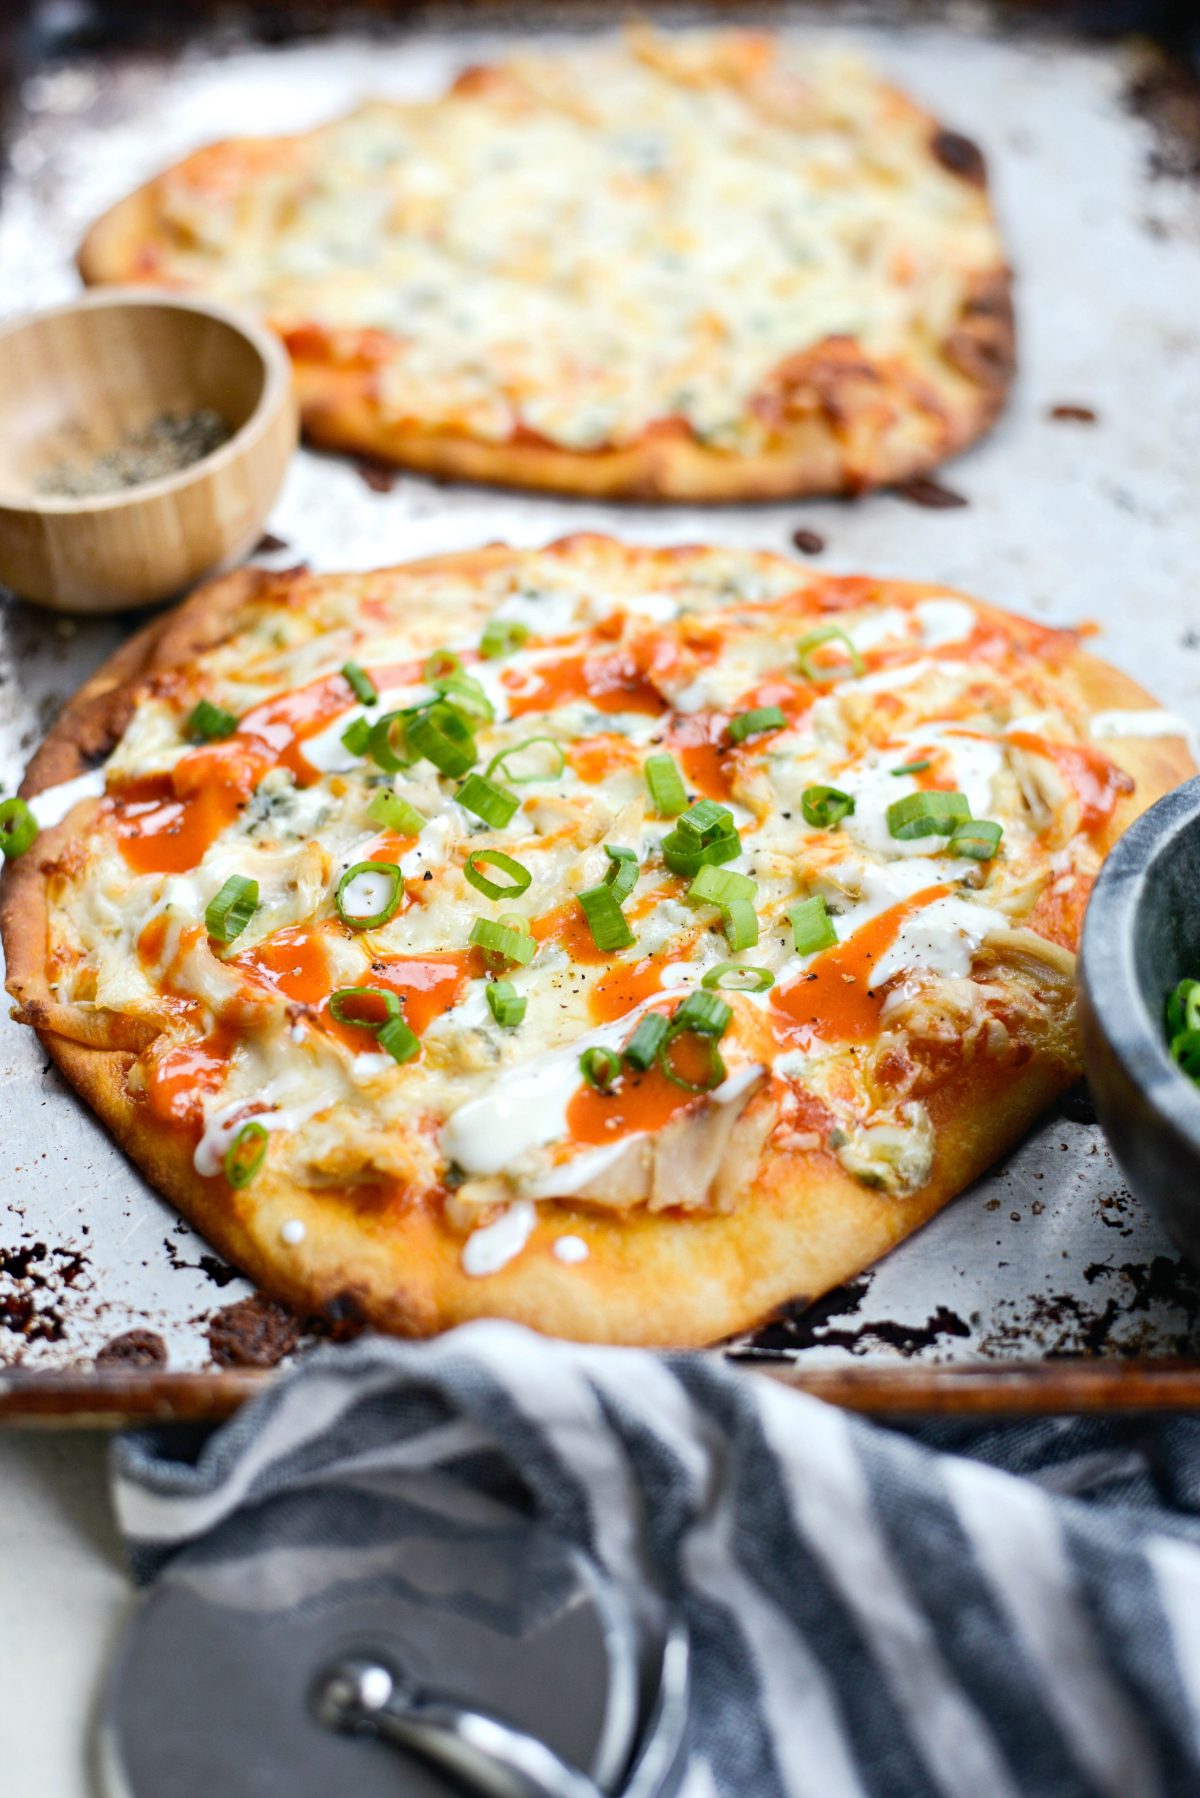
(1183, 1028)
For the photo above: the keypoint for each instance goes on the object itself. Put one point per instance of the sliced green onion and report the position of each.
(506, 1004)
(501, 636)
(927, 815)
(812, 927)
(1183, 1008)
(910, 768)
(465, 691)
(665, 783)
(207, 722)
(396, 814)
(719, 886)
(739, 921)
(360, 683)
(381, 888)
(341, 1002)
(704, 1013)
(824, 676)
(622, 876)
(606, 921)
(706, 821)
(735, 978)
(440, 664)
(978, 837)
(714, 1073)
(642, 1048)
(399, 1041)
(442, 735)
(245, 1154)
(497, 763)
(18, 828)
(683, 854)
(825, 807)
(1185, 1051)
(390, 751)
(753, 723)
(227, 914)
(601, 1068)
(519, 878)
(482, 797)
(357, 735)
(503, 939)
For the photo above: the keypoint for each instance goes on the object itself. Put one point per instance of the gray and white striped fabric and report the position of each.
(975, 1614)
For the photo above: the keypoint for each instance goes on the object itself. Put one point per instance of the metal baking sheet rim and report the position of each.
(109, 1400)
(1127, 488)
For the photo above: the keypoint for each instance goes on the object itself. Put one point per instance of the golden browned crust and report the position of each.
(665, 1279)
(801, 1225)
(842, 420)
(848, 424)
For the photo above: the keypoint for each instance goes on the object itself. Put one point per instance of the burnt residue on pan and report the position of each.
(822, 1325)
(1125, 1319)
(36, 1280)
(1165, 92)
(133, 1348)
(218, 1271)
(253, 1332)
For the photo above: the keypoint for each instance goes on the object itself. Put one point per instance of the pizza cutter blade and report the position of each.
(404, 1637)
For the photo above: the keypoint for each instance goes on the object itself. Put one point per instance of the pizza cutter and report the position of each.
(406, 1637)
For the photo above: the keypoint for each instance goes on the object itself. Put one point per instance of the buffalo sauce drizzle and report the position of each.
(629, 983)
(177, 1082)
(164, 823)
(295, 962)
(639, 1102)
(701, 739)
(610, 682)
(833, 1000)
(1096, 781)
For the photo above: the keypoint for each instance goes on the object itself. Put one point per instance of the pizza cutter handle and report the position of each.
(493, 1759)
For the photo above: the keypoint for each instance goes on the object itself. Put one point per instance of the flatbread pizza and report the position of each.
(624, 941)
(705, 266)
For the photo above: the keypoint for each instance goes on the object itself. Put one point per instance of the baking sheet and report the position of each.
(1066, 521)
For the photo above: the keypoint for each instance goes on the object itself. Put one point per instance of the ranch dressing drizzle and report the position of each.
(489, 1249)
(51, 806)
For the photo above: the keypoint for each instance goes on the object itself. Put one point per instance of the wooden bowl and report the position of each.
(87, 373)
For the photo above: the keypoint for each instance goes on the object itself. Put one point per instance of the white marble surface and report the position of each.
(65, 1595)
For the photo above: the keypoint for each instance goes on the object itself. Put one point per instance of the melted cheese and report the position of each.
(1139, 724)
(585, 243)
(634, 651)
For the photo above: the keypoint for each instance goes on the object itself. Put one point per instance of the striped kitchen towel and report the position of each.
(975, 1614)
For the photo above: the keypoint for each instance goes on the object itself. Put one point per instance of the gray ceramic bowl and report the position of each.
(1141, 936)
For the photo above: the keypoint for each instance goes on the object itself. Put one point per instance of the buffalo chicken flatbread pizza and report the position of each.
(622, 941)
(708, 266)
